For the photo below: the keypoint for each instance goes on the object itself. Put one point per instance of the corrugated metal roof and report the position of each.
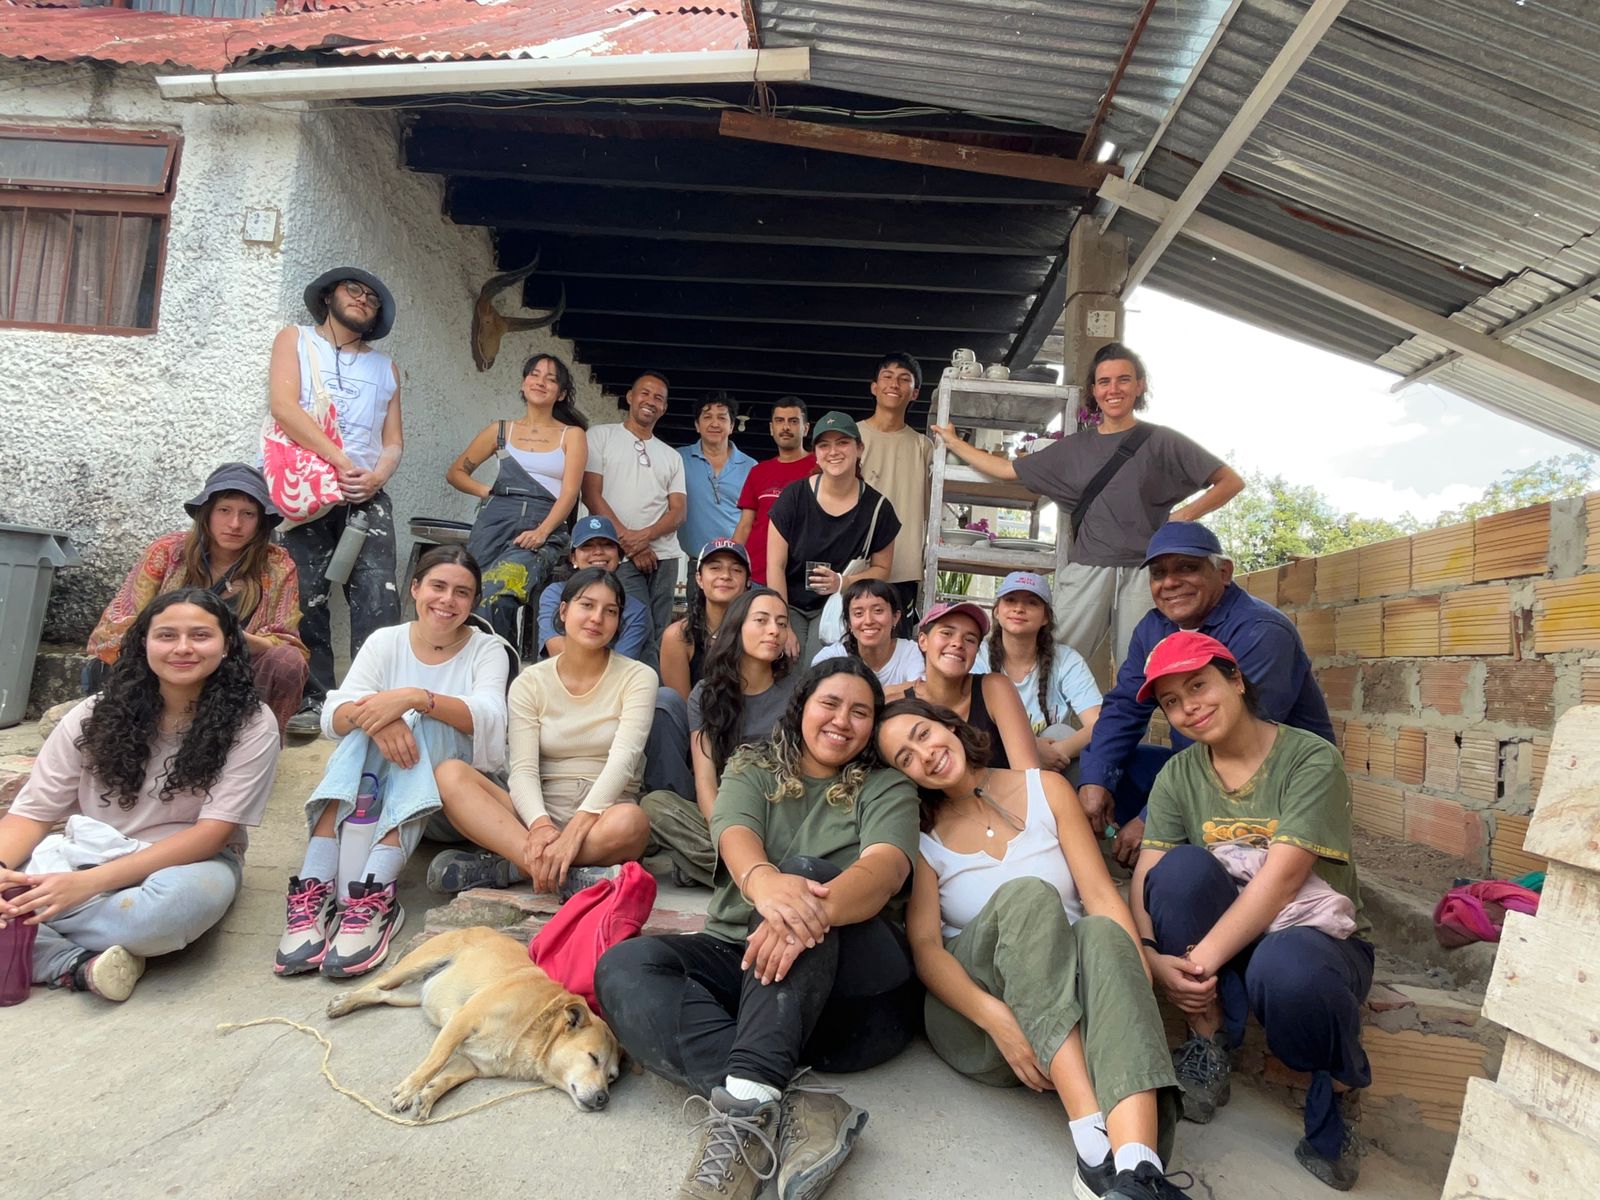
(397, 30)
(1044, 62)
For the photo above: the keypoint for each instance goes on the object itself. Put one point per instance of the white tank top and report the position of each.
(360, 386)
(966, 881)
(546, 466)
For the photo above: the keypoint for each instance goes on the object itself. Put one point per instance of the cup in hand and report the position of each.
(812, 567)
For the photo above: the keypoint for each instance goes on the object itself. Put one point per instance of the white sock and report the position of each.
(1132, 1154)
(749, 1089)
(322, 859)
(383, 864)
(1089, 1136)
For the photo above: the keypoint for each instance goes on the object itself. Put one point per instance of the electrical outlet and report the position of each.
(1101, 323)
(261, 225)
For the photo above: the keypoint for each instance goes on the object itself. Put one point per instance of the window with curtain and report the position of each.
(83, 227)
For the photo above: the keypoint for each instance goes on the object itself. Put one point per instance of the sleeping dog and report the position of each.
(498, 1015)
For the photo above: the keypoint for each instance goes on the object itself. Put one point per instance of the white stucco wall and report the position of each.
(106, 436)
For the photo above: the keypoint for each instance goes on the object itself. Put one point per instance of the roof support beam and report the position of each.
(1549, 309)
(870, 143)
(1318, 20)
(1358, 294)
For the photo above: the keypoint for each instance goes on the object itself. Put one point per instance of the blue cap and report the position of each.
(1024, 581)
(594, 527)
(1182, 537)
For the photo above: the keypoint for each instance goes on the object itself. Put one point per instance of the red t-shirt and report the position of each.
(761, 488)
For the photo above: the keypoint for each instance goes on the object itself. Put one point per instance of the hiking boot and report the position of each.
(458, 870)
(579, 878)
(1338, 1173)
(817, 1130)
(307, 723)
(1203, 1069)
(110, 974)
(735, 1157)
(305, 931)
(1093, 1182)
(1147, 1182)
(366, 927)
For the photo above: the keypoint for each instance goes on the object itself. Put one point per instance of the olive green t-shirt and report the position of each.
(885, 811)
(1299, 795)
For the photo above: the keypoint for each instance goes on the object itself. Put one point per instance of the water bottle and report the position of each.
(348, 549)
(356, 837)
(16, 954)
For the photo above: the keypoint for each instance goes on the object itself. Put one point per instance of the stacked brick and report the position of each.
(1446, 659)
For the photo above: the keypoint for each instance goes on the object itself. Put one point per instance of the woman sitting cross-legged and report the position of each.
(949, 638)
(157, 777)
(872, 614)
(1251, 800)
(577, 730)
(803, 961)
(1028, 952)
(416, 696)
(744, 691)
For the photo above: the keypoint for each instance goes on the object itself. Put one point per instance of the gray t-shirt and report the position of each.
(1168, 468)
(761, 711)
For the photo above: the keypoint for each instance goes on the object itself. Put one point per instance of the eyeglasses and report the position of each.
(360, 291)
(644, 456)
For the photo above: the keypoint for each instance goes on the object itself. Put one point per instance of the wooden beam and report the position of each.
(870, 143)
(932, 347)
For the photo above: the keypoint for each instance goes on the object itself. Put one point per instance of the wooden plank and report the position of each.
(1410, 754)
(954, 156)
(1591, 513)
(1411, 627)
(1442, 557)
(1511, 543)
(1476, 621)
(1358, 630)
(1509, 1150)
(1316, 626)
(1571, 896)
(1430, 1069)
(1566, 823)
(1383, 569)
(1507, 858)
(1566, 614)
(1338, 578)
(1552, 1083)
(1546, 985)
(1298, 582)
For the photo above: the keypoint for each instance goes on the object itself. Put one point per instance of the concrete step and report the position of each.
(57, 676)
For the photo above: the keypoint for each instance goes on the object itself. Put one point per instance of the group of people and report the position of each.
(904, 829)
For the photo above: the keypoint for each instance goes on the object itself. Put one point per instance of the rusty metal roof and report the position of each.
(393, 30)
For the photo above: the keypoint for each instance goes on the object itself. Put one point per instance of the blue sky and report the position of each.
(1269, 403)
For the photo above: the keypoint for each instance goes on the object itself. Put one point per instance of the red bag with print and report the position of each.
(303, 484)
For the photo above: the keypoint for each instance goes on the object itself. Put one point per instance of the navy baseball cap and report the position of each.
(1182, 537)
(725, 546)
(594, 527)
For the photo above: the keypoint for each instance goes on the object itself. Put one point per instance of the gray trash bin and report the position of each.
(28, 560)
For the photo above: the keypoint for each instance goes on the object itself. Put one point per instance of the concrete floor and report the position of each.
(148, 1099)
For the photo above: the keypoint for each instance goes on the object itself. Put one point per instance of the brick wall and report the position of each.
(1446, 659)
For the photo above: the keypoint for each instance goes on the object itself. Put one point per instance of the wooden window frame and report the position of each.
(138, 200)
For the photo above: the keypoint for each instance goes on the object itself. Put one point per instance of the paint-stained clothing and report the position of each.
(512, 575)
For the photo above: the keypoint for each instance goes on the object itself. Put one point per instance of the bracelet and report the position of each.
(433, 700)
(745, 878)
(1151, 943)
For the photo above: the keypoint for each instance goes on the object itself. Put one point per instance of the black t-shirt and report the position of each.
(816, 536)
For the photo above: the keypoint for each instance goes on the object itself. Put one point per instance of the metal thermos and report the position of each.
(348, 549)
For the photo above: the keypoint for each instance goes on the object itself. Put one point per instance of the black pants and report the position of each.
(682, 1007)
(370, 594)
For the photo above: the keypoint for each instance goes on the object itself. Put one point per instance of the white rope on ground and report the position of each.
(327, 1073)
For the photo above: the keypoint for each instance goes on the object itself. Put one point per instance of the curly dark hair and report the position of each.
(869, 587)
(121, 730)
(721, 700)
(1044, 652)
(974, 743)
(781, 753)
(563, 410)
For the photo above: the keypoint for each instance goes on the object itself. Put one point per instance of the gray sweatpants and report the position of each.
(1100, 605)
(170, 909)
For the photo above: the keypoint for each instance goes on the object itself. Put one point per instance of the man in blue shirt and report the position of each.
(1191, 584)
(714, 471)
(594, 544)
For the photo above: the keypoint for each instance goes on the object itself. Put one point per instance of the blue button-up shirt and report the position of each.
(1271, 656)
(713, 497)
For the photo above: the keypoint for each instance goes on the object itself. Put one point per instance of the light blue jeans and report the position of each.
(170, 909)
(408, 796)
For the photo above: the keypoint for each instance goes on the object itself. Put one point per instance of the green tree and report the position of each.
(1556, 478)
(1273, 521)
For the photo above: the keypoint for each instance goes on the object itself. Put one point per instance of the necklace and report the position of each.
(985, 800)
(416, 628)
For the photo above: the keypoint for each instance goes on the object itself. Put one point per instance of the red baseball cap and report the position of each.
(965, 608)
(1178, 654)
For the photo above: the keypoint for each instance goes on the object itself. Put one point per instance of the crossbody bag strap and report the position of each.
(321, 401)
(1130, 447)
(872, 528)
(500, 437)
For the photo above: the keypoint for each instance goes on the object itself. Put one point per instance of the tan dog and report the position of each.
(498, 1016)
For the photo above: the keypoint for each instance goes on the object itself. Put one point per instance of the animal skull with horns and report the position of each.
(489, 324)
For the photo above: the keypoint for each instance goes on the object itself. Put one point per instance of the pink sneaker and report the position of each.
(305, 932)
(367, 925)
